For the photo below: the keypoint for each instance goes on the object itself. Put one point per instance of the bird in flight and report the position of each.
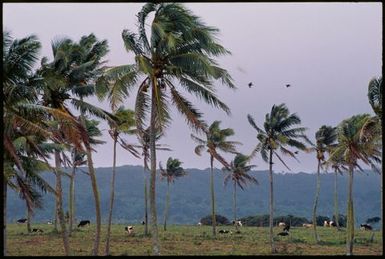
(288, 85)
(296, 152)
(250, 84)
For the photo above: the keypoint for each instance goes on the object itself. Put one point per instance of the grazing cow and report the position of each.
(284, 233)
(84, 223)
(49, 222)
(329, 223)
(224, 231)
(286, 228)
(143, 223)
(199, 224)
(366, 227)
(129, 230)
(306, 225)
(38, 230)
(22, 221)
(238, 223)
(281, 224)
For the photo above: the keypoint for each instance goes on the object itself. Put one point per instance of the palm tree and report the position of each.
(215, 139)
(73, 71)
(78, 159)
(19, 102)
(238, 173)
(173, 170)
(339, 167)
(124, 124)
(144, 139)
(353, 149)
(325, 141)
(372, 128)
(178, 53)
(278, 134)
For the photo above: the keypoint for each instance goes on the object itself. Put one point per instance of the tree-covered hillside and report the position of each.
(190, 200)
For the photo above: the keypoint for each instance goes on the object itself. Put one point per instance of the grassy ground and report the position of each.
(190, 240)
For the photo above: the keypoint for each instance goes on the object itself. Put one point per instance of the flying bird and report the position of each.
(250, 84)
(288, 85)
(296, 152)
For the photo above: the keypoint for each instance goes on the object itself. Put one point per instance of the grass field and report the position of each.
(190, 240)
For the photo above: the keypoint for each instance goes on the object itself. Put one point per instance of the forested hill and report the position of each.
(190, 196)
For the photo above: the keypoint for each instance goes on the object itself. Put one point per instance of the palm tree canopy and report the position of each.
(375, 95)
(238, 171)
(279, 133)
(173, 169)
(352, 148)
(216, 139)
(326, 137)
(177, 53)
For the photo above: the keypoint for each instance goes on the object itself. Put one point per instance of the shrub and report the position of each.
(221, 220)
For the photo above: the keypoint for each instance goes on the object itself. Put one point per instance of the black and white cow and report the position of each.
(366, 227)
(37, 230)
(129, 230)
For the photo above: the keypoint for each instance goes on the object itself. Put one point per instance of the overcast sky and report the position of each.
(328, 52)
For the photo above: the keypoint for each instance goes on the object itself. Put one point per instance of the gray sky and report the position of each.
(328, 52)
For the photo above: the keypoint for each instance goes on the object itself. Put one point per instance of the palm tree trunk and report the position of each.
(5, 185)
(213, 218)
(71, 200)
(154, 224)
(235, 204)
(29, 217)
(145, 203)
(271, 202)
(350, 215)
(316, 237)
(95, 190)
(112, 195)
(55, 217)
(167, 206)
(59, 202)
(336, 217)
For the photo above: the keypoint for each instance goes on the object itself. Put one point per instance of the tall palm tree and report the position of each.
(68, 79)
(325, 141)
(278, 133)
(372, 128)
(238, 173)
(353, 149)
(78, 159)
(173, 170)
(125, 122)
(144, 140)
(339, 167)
(215, 139)
(178, 53)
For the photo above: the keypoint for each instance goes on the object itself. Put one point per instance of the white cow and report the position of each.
(129, 230)
(282, 224)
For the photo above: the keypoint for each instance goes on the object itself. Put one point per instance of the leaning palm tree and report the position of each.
(325, 141)
(173, 170)
(124, 125)
(215, 139)
(278, 133)
(238, 173)
(68, 79)
(352, 149)
(178, 53)
(19, 104)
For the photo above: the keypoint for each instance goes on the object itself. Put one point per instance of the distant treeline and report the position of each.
(190, 197)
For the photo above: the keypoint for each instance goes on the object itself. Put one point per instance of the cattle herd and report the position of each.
(285, 231)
